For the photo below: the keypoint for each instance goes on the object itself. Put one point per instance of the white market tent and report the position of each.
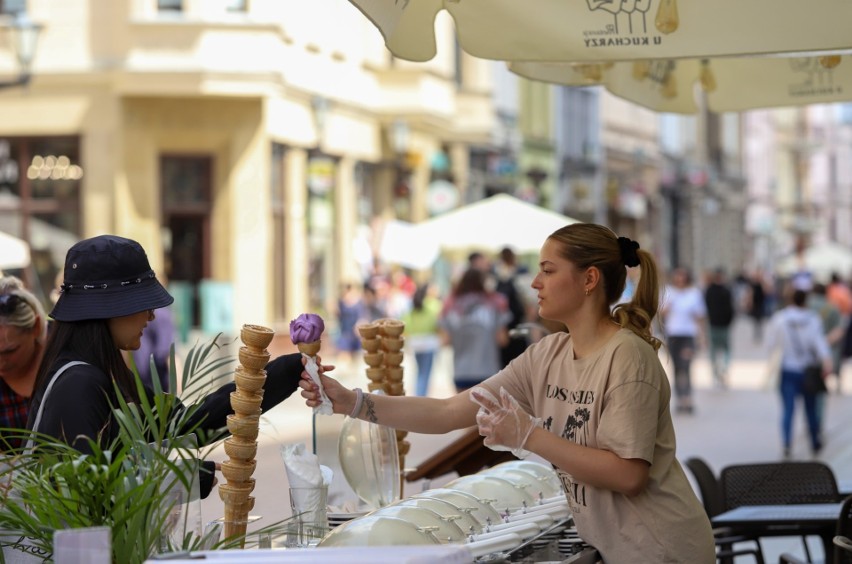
(14, 252)
(821, 260)
(493, 223)
(401, 243)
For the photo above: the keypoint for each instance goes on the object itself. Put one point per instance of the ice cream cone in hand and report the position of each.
(305, 332)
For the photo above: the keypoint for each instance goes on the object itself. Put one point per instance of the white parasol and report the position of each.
(731, 84)
(493, 223)
(608, 30)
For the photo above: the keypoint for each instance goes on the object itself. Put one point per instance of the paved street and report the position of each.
(738, 424)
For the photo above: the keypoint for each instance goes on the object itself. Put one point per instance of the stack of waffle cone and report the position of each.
(241, 446)
(382, 342)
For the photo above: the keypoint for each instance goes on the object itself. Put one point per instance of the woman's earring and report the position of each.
(587, 291)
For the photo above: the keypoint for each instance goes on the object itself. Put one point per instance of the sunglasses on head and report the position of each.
(9, 303)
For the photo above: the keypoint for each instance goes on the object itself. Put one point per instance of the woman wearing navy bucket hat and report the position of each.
(108, 296)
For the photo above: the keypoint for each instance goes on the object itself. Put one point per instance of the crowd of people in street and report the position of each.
(487, 316)
(478, 318)
(801, 325)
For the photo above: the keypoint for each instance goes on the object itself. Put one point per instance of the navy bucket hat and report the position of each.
(107, 276)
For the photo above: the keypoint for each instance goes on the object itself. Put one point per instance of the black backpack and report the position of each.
(516, 305)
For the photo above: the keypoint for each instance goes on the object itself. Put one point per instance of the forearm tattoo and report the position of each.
(371, 410)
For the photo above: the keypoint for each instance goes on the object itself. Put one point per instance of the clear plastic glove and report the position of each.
(502, 422)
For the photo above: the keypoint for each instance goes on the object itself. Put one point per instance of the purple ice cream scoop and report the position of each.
(306, 328)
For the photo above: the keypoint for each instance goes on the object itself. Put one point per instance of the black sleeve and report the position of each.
(207, 472)
(282, 379)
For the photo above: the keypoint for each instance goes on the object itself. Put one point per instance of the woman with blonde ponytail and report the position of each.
(594, 402)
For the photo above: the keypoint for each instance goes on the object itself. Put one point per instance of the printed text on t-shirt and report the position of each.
(571, 396)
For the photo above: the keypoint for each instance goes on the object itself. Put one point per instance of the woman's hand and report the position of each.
(342, 399)
(502, 422)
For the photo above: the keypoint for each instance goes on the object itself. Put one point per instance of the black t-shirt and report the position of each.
(720, 305)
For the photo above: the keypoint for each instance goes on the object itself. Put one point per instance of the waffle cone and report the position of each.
(236, 523)
(310, 349)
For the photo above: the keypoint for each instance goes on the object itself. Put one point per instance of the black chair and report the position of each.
(778, 483)
(711, 497)
(842, 542)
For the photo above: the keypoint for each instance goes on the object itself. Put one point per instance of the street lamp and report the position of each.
(24, 39)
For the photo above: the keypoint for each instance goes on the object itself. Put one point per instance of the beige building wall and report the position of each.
(133, 83)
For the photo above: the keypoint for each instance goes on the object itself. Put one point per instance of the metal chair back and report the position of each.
(708, 485)
(781, 483)
(727, 540)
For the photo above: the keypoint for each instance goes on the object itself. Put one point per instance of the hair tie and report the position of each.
(628, 248)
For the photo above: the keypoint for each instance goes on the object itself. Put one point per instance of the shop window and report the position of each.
(40, 180)
(13, 6)
(170, 5)
(238, 6)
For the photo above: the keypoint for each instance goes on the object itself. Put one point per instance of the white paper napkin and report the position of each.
(303, 468)
(325, 408)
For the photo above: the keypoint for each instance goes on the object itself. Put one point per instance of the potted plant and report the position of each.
(139, 485)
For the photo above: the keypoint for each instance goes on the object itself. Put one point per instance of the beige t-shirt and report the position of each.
(616, 399)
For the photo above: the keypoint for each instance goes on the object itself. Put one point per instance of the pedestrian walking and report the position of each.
(797, 332)
(422, 333)
(593, 401)
(838, 293)
(473, 322)
(683, 313)
(508, 274)
(833, 328)
(350, 309)
(756, 303)
(720, 315)
(156, 346)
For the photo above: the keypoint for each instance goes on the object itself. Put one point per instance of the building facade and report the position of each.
(252, 148)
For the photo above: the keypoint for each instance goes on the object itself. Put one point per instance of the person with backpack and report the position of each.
(473, 322)
(797, 332)
(720, 315)
(507, 272)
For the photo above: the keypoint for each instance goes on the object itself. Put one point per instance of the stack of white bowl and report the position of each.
(494, 511)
